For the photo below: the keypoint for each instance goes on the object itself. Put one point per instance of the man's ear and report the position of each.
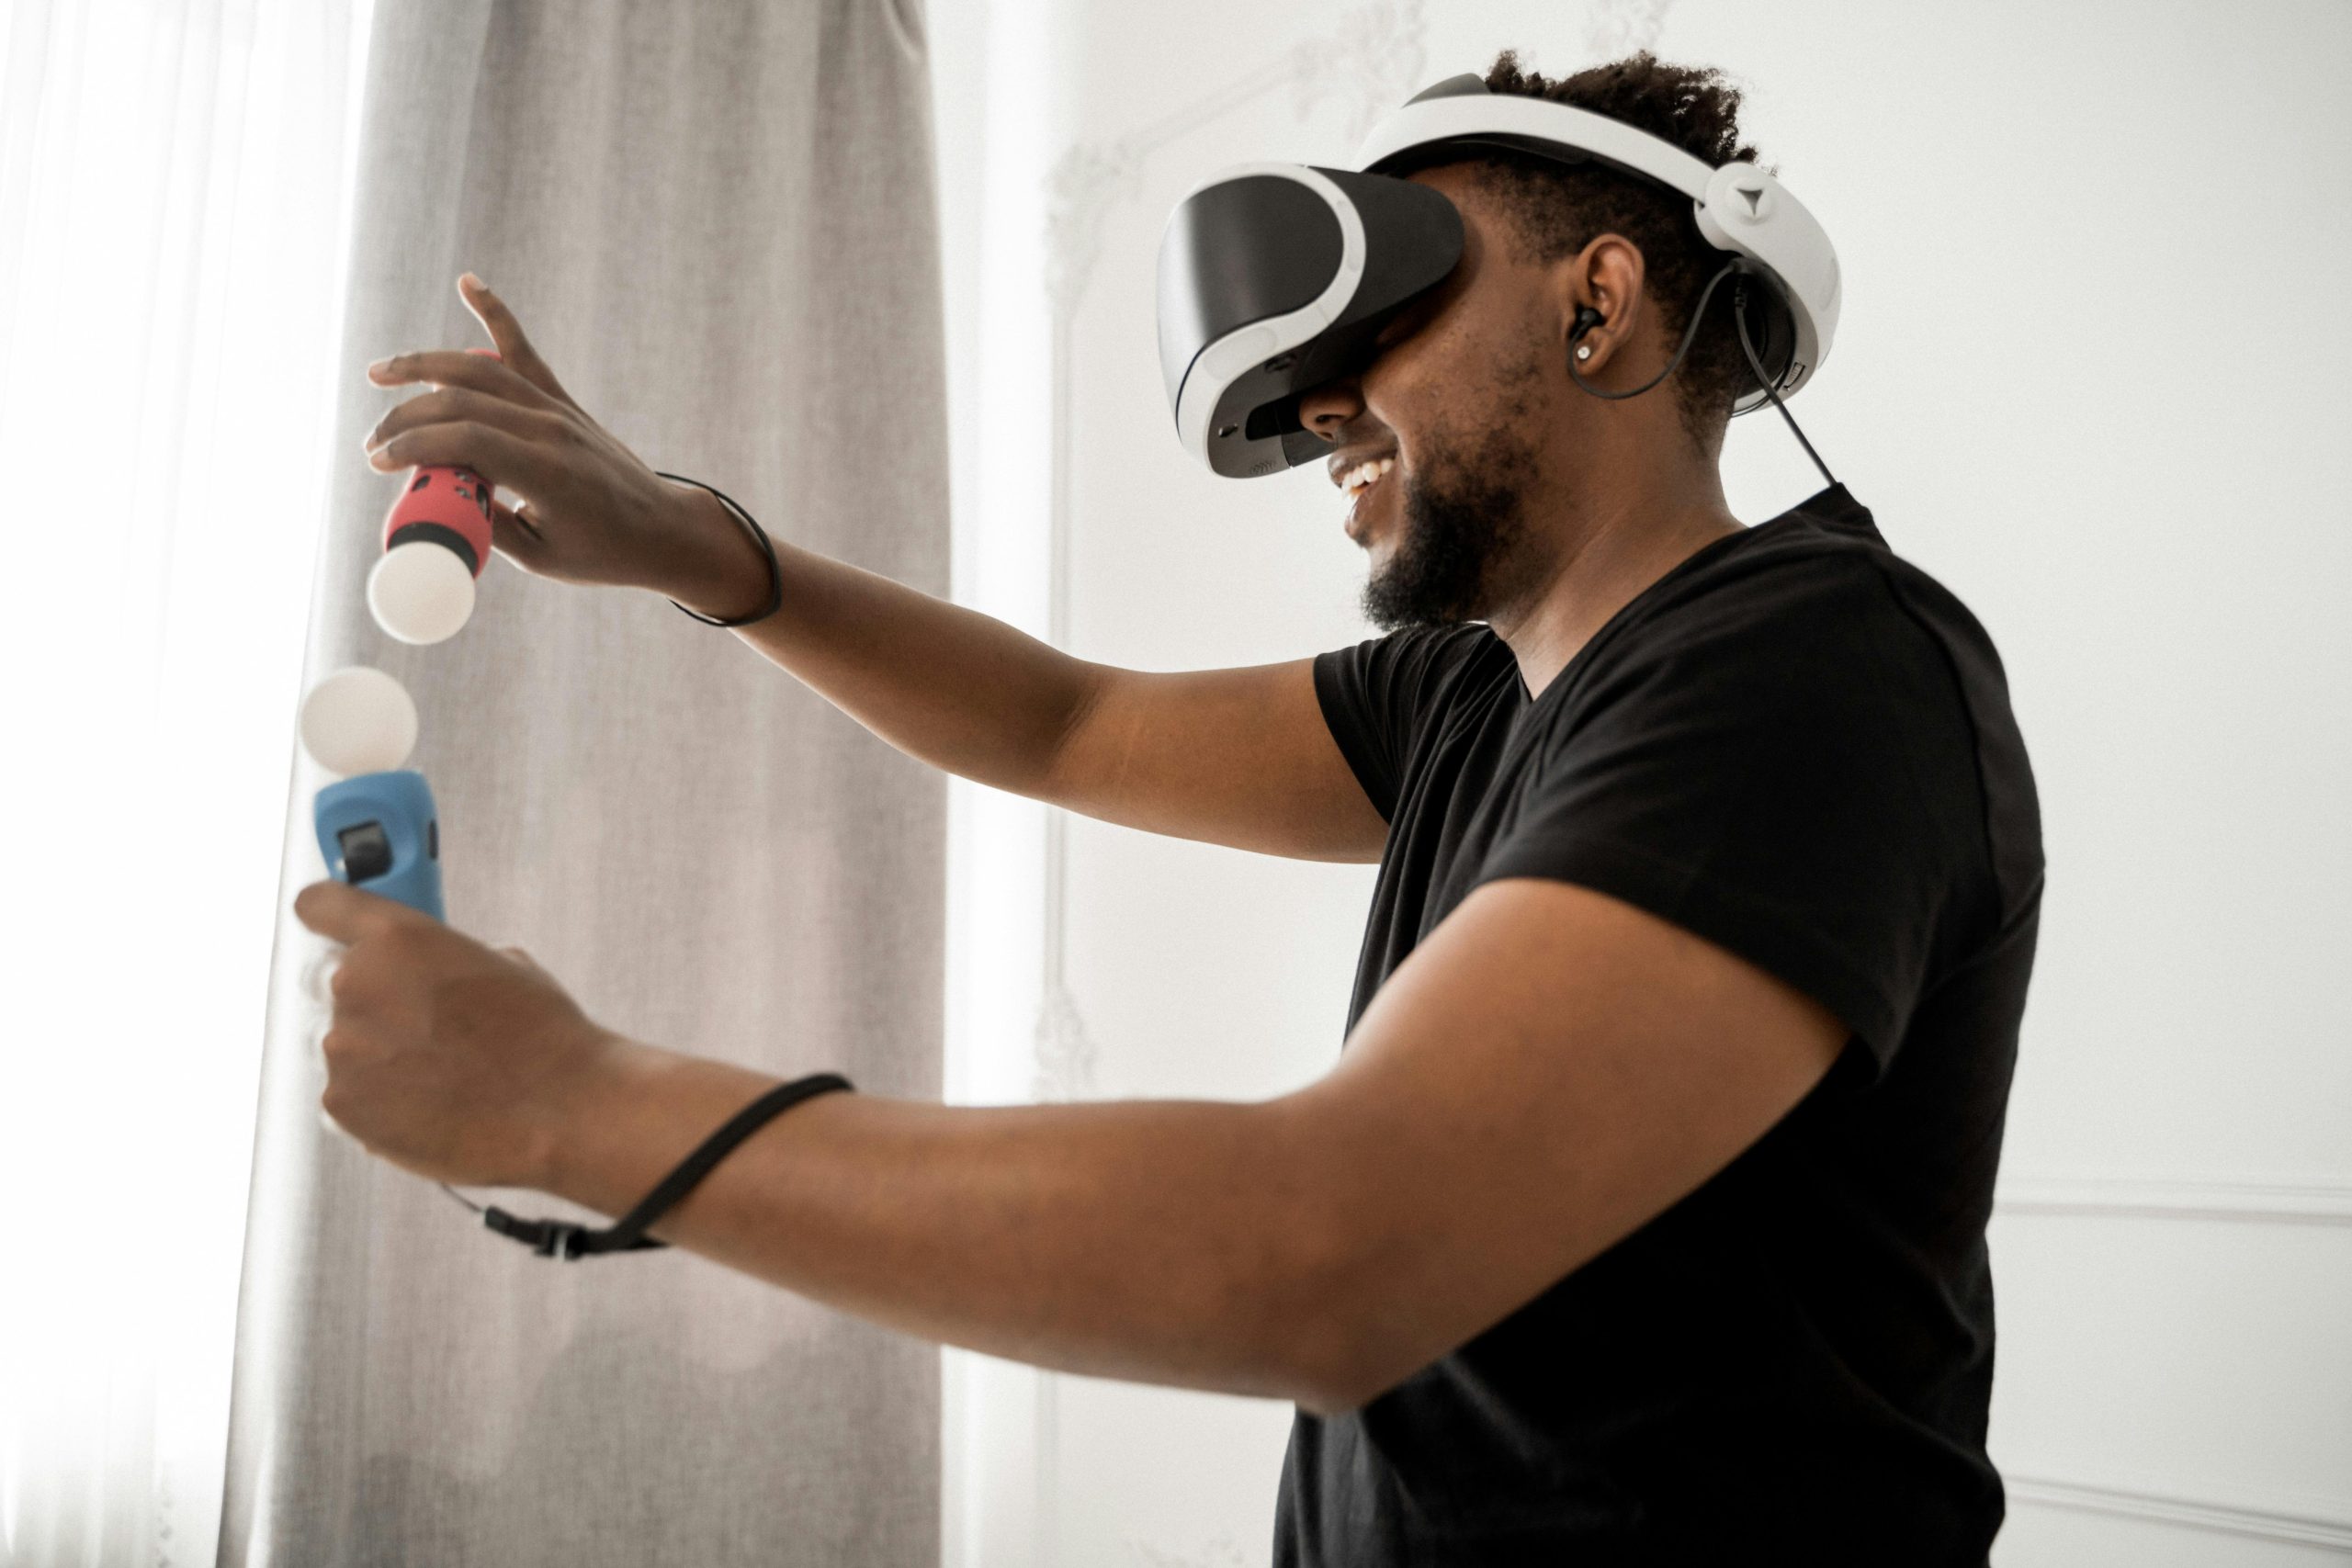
(1600, 292)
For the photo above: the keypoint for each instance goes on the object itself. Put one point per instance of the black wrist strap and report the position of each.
(562, 1240)
(759, 536)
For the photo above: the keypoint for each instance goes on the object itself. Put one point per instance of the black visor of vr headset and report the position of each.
(1275, 278)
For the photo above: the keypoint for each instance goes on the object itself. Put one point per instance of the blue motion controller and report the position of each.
(380, 833)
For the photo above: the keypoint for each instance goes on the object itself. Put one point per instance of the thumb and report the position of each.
(343, 913)
(515, 533)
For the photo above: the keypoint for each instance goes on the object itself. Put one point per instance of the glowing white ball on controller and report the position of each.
(358, 721)
(420, 591)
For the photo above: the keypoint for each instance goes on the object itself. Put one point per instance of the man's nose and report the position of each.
(1328, 409)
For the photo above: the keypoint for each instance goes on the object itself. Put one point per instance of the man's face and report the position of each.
(1464, 514)
(1457, 396)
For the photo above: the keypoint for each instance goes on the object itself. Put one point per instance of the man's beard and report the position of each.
(1463, 519)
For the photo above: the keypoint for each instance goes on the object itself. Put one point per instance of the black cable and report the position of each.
(1739, 318)
(759, 536)
(564, 1240)
(1754, 361)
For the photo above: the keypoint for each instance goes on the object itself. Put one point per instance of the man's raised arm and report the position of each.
(1237, 756)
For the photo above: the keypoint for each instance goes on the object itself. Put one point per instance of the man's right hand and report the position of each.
(590, 510)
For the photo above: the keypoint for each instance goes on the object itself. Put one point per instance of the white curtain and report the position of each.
(172, 175)
(717, 221)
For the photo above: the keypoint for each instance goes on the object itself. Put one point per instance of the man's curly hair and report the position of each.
(1556, 210)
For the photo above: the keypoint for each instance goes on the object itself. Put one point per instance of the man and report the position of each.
(1642, 1219)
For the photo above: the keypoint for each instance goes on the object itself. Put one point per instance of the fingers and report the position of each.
(456, 367)
(508, 333)
(342, 912)
(528, 467)
(450, 404)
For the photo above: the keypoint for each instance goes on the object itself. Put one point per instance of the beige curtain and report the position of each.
(717, 222)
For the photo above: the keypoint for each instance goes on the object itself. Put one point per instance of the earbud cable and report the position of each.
(1754, 361)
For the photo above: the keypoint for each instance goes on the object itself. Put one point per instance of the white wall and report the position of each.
(2090, 373)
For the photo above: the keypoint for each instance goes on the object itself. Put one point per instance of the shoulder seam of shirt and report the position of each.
(1902, 601)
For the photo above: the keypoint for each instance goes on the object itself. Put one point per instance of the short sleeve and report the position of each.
(1793, 779)
(1377, 695)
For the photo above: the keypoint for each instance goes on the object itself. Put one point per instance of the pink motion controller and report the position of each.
(437, 541)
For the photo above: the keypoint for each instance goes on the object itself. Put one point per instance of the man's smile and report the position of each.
(1357, 483)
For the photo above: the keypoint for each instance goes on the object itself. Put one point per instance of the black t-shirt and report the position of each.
(1798, 747)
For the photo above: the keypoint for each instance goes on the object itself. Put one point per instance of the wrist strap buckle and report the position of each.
(568, 1242)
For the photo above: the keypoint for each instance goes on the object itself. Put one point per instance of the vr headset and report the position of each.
(1275, 278)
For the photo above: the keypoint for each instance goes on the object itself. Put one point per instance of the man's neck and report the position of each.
(1603, 560)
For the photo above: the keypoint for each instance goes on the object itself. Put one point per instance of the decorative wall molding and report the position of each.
(1617, 28)
(1220, 1550)
(1063, 1053)
(2158, 1198)
(2304, 1524)
(1369, 62)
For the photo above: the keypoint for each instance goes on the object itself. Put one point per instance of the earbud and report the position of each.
(1587, 318)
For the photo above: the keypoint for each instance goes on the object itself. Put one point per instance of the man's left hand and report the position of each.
(451, 1059)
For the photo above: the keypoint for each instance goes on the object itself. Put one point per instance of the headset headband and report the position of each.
(1739, 207)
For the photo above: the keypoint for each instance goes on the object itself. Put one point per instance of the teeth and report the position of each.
(1362, 474)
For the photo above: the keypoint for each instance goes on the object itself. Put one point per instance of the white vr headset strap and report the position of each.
(1747, 211)
(1739, 207)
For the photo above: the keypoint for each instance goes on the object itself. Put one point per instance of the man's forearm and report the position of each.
(957, 689)
(1160, 1241)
